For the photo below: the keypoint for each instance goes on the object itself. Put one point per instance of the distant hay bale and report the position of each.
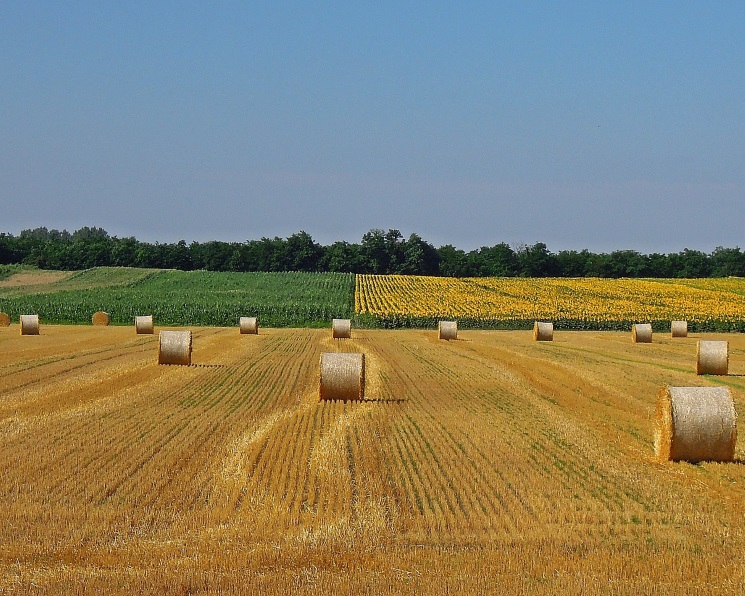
(101, 318)
(4, 320)
(695, 424)
(447, 330)
(679, 329)
(144, 324)
(712, 357)
(342, 376)
(249, 325)
(543, 331)
(641, 333)
(174, 347)
(341, 328)
(29, 324)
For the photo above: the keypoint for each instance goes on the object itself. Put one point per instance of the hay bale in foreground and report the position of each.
(712, 357)
(341, 328)
(342, 376)
(144, 324)
(101, 318)
(679, 329)
(447, 330)
(29, 324)
(543, 331)
(4, 320)
(695, 424)
(174, 347)
(641, 333)
(248, 325)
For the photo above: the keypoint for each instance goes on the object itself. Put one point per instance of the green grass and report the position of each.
(182, 298)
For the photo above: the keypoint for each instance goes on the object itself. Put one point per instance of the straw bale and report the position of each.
(641, 333)
(342, 376)
(101, 318)
(341, 328)
(249, 325)
(695, 424)
(447, 330)
(679, 329)
(543, 331)
(174, 347)
(144, 324)
(29, 324)
(4, 320)
(712, 357)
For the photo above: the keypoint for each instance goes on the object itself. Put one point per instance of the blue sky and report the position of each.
(599, 125)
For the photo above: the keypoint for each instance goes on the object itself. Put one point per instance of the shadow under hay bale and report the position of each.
(144, 325)
(543, 331)
(679, 329)
(248, 325)
(341, 328)
(342, 376)
(712, 357)
(29, 324)
(447, 330)
(641, 333)
(101, 318)
(4, 320)
(695, 424)
(174, 347)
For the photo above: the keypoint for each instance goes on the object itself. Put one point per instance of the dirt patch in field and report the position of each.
(35, 278)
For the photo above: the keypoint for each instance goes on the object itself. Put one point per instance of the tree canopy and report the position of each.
(379, 251)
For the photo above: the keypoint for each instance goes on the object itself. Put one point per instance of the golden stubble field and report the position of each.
(487, 464)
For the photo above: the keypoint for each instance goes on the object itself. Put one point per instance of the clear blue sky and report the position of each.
(599, 125)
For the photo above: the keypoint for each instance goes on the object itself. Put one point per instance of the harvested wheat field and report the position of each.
(489, 464)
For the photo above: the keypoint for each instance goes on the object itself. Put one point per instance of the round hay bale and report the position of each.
(695, 424)
(101, 318)
(248, 325)
(174, 347)
(679, 329)
(144, 324)
(342, 376)
(543, 331)
(4, 320)
(447, 330)
(641, 333)
(341, 328)
(712, 357)
(29, 324)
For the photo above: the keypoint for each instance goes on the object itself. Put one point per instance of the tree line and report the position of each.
(379, 251)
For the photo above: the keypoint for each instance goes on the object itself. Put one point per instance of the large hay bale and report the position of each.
(695, 424)
(447, 330)
(174, 347)
(712, 357)
(29, 324)
(679, 329)
(101, 318)
(341, 328)
(543, 331)
(641, 333)
(248, 325)
(4, 320)
(144, 324)
(342, 376)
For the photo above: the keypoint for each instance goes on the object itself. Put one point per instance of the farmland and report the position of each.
(492, 463)
(180, 297)
(374, 301)
(584, 303)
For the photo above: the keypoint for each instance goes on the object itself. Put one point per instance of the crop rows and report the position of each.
(188, 298)
(488, 464)
(586, 303)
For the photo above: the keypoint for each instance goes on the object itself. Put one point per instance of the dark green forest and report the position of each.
(379, 251)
